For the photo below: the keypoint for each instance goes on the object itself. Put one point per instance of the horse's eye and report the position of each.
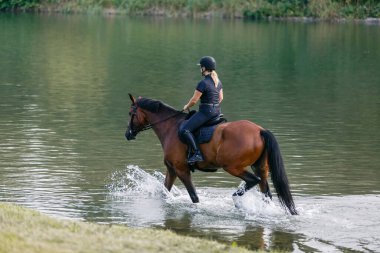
(130, 114)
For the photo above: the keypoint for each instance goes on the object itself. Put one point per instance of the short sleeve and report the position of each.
(220, 86)
(201, 86)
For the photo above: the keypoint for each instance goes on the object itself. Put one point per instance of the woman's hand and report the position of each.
(193, 100)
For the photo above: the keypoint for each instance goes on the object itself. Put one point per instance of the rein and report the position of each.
(150, 125)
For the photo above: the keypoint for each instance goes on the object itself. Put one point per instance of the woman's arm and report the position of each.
(220, 95)
(193, 100)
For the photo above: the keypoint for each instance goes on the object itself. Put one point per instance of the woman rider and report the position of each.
(210, 92)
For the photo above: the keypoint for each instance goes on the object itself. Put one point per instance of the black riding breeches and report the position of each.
(205, 113)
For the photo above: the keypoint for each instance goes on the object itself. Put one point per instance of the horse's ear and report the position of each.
(132, 98)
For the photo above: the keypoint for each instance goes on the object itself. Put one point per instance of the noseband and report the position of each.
(136, 131)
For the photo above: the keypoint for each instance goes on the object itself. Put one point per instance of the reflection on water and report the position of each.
(31, 161)
(257, 223)
(64, 82)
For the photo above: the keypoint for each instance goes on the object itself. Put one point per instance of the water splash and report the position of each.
(134, 181)
(256, 205)
(139, 198)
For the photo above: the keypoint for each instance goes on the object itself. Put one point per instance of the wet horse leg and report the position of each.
(249, 178)
(170, 176)
(185, 176)
(267, 191)
(263, 171)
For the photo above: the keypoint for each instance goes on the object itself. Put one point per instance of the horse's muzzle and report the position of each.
(130, 135)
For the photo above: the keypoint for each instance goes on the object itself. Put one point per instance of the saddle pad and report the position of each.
(205, 134)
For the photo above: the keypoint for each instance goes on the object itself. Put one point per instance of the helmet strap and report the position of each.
(206, 72)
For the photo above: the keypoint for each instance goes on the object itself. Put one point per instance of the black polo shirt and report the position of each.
(210, 93)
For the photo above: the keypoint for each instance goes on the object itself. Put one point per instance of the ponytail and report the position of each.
(215, 78)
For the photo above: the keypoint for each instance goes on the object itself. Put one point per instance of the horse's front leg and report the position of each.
(185, 176)
(170, 176)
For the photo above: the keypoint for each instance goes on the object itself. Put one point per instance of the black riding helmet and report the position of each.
(208, 63)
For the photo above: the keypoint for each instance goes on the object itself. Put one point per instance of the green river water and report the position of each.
(64, 84)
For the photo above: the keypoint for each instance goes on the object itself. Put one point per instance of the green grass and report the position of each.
(254, 9)
(23, 230)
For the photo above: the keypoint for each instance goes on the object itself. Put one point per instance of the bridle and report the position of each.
(150, 125)
(134, 114)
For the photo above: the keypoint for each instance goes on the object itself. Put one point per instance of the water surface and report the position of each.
(64, 106)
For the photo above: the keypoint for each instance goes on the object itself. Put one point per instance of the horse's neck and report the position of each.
(164, 124)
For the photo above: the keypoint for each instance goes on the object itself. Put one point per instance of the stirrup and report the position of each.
(196, 157)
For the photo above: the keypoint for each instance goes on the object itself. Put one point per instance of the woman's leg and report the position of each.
(186, 134)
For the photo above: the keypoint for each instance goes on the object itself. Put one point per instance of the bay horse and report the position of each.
(234, 146)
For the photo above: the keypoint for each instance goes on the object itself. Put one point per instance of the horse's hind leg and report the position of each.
(249, 178)
(267, 191)
(262, 169)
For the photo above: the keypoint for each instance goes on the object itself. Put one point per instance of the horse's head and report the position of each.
(138, 121)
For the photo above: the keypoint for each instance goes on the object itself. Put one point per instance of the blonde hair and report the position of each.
(214, 76)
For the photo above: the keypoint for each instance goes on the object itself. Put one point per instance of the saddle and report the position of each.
(205, 132)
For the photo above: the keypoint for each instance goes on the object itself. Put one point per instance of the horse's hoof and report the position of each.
(237, 201)
(266, 199)
(240, 192)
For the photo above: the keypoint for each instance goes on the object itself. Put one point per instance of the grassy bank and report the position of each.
(23, 230)
(254, 9)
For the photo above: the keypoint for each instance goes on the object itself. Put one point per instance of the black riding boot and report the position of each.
(197, 156)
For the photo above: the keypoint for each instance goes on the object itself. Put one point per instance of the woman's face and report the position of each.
(203, 69)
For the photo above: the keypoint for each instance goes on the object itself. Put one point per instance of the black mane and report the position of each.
(154, 105)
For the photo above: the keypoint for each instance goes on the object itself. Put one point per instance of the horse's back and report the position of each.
(243, 131)
(243, 124)
(239, 141)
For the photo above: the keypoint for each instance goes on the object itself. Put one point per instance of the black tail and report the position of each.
(277, 171)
